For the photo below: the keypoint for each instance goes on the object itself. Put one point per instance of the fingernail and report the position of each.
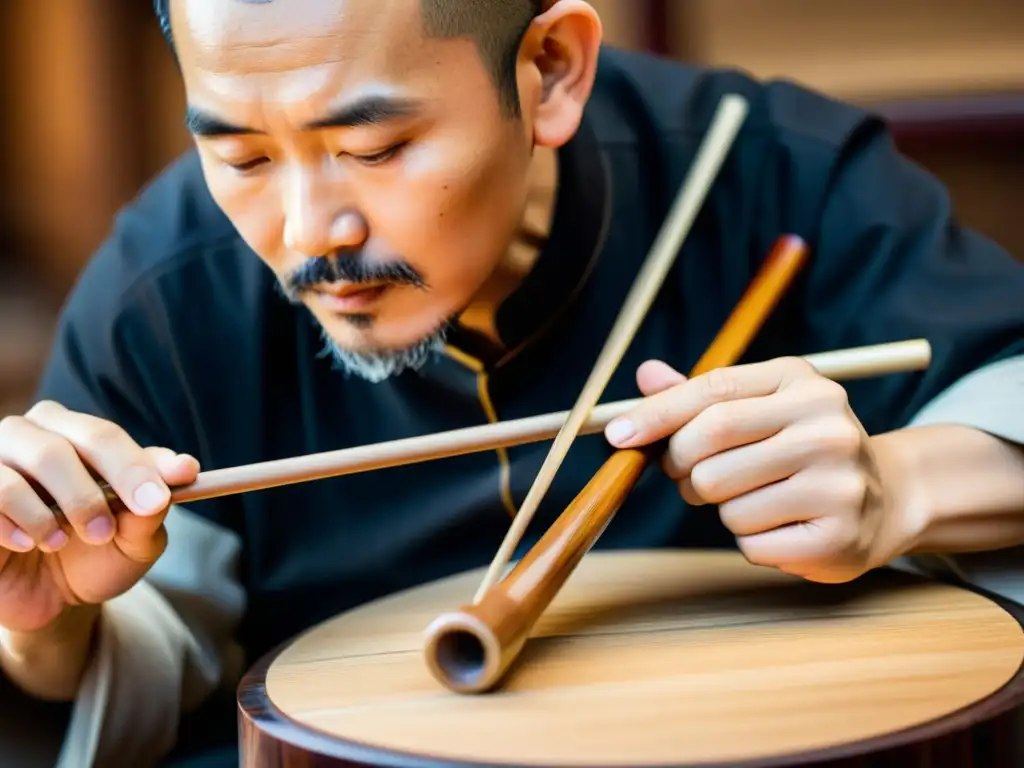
(620, 430)
(21, 539)
(148, 496)
(99, 528)
(56, 540)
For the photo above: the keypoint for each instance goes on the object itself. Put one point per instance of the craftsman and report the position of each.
(403, 217)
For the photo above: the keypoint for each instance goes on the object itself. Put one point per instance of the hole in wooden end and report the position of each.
(461, 656)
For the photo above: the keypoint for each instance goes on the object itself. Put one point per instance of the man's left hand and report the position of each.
(777, 447)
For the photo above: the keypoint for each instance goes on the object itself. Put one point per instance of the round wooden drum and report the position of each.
(661, 658)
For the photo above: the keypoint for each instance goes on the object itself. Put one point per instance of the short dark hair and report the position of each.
(497, 27)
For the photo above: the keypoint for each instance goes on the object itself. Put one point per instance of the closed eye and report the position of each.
(248, 165)
(378, 158)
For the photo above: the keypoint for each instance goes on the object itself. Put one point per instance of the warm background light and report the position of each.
(92, 110)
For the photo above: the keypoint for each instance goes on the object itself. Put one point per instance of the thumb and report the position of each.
(142, 538)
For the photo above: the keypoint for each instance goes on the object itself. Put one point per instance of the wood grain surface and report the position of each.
(658, 658)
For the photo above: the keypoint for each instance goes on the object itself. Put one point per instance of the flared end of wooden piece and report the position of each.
(464, 653)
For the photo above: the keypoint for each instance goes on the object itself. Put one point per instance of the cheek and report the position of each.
(251, 207)
(435, 188)
(453, 211)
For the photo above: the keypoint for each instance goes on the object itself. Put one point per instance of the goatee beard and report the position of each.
(379, 366)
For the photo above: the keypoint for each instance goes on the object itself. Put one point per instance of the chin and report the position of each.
(376, 350)
(376, 333)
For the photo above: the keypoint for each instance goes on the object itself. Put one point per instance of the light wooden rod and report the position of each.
(711, 155)
(840, 365)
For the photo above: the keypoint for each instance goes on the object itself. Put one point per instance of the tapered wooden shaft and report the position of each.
(471, 649)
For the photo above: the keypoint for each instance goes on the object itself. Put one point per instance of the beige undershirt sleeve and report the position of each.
(163, 647)
(990, 399)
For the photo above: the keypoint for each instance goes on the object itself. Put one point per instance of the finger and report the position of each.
(54, 465)
(723, 426)
(116, 457)
(834, 443)
(659, 415)
(652, 377)
(771, 507)
(13, 538)
(143, 538)
(807, 496)
(690, 496)
(30, 523)
(816, 550)
(174, 468)
(655, 376)
(797, 499)
(742, 470)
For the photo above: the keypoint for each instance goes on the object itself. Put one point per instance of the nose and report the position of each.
(316, 224)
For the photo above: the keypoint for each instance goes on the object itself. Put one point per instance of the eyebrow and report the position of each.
(368, 110)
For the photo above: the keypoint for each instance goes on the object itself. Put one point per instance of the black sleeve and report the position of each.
(110, 356)
(94, 367)
(890, 262)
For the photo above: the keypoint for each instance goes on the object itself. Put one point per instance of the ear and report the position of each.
(560, 53)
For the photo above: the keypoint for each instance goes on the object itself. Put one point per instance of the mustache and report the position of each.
(351, 267)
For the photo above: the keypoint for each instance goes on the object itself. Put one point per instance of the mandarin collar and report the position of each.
(582, 210)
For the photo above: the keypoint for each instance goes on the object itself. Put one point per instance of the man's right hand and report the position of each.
(48, 565)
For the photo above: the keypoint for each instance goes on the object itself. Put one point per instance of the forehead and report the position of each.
(233, 46)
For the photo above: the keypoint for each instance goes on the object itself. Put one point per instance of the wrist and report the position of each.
(907, 512)
(48, 663)
(952, 489)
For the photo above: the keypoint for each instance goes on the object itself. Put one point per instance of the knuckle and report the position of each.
(84, 505)
(797, 367)
(716, 426)
(10, 425)
(37, 528)
(720, 384)
(103, 434)
(12, 485)
(152, 456)
(840, 437)
(830, 394)
(52, 454)
(42, 409)
(661, 418)
(849, 489)
(655, 417)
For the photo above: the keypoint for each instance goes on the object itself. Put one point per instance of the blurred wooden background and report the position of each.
(94, 110)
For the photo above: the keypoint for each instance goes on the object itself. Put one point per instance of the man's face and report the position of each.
(368, 165)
